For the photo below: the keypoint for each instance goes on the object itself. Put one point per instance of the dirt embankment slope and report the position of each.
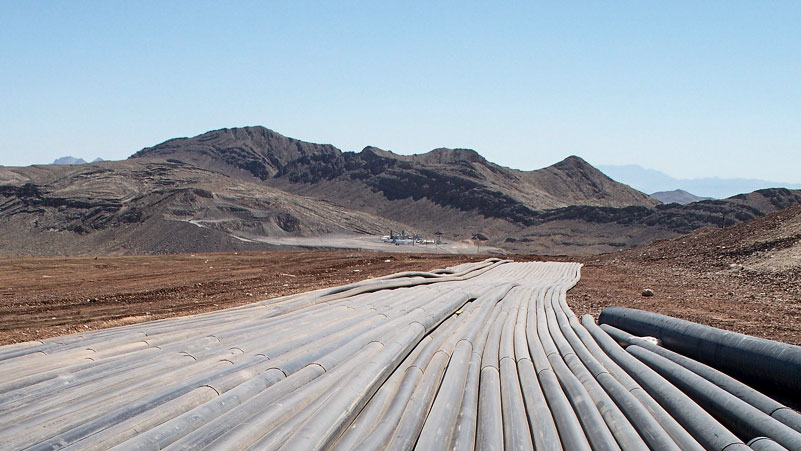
(745, 278)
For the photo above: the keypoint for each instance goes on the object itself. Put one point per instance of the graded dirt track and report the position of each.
(46, 297)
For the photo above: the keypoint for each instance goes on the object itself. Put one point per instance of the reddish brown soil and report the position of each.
(45, 297)
(745, 278)
(755, 306)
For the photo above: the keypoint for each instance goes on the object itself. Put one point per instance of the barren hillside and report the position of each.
(235, 189)
(769, 244)
(156, 207)
(254, 151)
(378, 181)
(746, 277)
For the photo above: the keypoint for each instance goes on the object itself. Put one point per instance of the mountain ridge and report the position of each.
(284, 162)
(678, 196)
(242, 148)
(236, 189)
(651, 180)
(72, 160)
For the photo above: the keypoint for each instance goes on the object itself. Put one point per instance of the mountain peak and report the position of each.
(375, 151)
(444, 155)
(577, 181)
(441, 155)
(575, 166)
(574, 161)
(450, 155)
(255, 149)
(678, 196)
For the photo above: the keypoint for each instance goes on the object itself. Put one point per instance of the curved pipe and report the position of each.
(705, 428)
(739, 416)
(750, 359)
(764, 403)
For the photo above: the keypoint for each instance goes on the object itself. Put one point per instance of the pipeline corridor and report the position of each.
(481, 356)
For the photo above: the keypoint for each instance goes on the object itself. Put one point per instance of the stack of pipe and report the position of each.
(479, 356)
(712, 366)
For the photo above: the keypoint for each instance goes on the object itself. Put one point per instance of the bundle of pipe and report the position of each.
(752, 415)
(761, 362)
(483, 356)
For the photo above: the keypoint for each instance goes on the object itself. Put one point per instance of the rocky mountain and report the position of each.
(244, 188)
(126, 207)
(587, 229)
(73, 160)
(384, 183)
(247, 151)
(677, 196)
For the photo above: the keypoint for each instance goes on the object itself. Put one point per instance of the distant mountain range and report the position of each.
(651, 181)
(239, 188)
(72, 160)
(677, 196)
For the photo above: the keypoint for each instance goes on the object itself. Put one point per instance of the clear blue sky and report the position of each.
(690, 88)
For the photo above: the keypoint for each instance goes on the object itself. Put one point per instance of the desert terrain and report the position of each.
(743, 278)
(239, 215)
(253, 189)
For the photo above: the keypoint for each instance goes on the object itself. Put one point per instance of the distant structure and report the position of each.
(403, 239)
(478, 238)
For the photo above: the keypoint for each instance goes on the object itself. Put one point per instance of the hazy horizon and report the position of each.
(692, 90)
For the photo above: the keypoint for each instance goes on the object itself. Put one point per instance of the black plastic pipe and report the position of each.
(703, 426)
(753, 360)
(740, 417)
(764, 403)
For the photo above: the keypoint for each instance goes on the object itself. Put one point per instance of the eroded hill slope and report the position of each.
(156, 207)
(232, 189)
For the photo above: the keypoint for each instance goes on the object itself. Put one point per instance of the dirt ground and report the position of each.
(46, 297)
(755, 305)
(745, 278)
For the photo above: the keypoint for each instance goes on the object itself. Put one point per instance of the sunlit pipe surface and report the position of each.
(483, 355)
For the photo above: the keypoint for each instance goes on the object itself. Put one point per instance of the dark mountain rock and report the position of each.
(374, 180)
(257, 151)
(229, 189)
(683, 218)
(144, 206)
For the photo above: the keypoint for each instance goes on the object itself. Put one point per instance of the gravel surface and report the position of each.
(745, 278)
